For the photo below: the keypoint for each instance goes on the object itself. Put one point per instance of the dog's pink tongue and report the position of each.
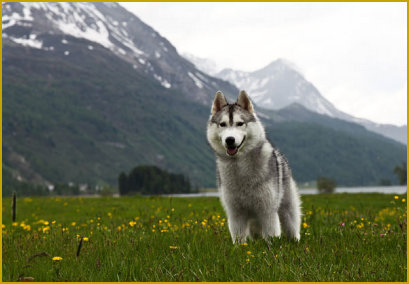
(231, 151)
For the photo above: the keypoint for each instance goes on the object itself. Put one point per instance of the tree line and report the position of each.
(152, 180)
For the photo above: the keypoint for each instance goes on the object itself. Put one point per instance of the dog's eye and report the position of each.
(223, 124)
(240, 123)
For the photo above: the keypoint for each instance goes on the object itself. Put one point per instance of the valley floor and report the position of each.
(345, 237)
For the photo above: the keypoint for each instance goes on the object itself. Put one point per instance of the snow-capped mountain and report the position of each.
(32, 24)
(203, 64)
(279, 85)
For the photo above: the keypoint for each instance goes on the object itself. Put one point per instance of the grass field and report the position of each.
(356, 237)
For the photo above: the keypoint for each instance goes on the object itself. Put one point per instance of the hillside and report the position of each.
(77, 110)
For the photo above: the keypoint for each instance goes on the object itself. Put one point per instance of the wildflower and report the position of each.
(132, 223)
(15, 224)
(173, 247)
(305, 225)
(173, 209)
(221, 224)
(244, 244)
(342, 224)
(248, 252)
(73, 224)
(109, 214)
(403, 199)
(381, 234)
(85, 239)
(45, 229)
(46, 223)
(248, 260)
(396, 197)
(189, 205)
(3, 226)
(119, 228)
(153, 230)
(53, 222)
(57, 258)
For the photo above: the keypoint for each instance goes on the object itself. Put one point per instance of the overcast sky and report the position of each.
(354, 53)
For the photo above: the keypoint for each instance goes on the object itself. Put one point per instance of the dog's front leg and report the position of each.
(270, 225)
(238, 228)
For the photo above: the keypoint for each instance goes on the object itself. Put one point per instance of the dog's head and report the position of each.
(233, 129)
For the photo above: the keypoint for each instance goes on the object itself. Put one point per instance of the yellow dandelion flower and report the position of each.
(244, 244)
(247, 259)
(3, 226)
(119, 228)
(15, 224)
(305, 225)
(221, 224)
(403, 199)
(396, 197)
(132, 223)
(85, 239)
(165, 221)
(173, 209)
(173, 247)
(57, 258)
(73, 224)
(153, 230)
(109, 214)
(248, 252)
(53, 222)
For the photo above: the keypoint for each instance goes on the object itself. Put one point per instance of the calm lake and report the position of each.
(363, 189)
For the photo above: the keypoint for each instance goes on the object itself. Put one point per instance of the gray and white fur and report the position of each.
(257, 189)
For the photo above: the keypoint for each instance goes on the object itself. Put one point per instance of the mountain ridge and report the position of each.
(279, 84)
(79, 112)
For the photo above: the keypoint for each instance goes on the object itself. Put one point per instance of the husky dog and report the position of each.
(254, 179)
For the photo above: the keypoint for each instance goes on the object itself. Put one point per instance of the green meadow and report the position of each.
(345, 237)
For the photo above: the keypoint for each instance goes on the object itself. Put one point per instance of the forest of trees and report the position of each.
(152, 180)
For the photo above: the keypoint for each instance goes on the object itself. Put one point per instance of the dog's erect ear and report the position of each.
(219, 102)
(244, 101)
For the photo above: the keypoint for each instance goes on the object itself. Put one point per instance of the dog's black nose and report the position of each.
(230, 141)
